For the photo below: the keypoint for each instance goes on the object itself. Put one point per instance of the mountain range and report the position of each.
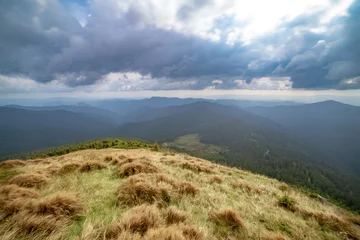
(308, 145)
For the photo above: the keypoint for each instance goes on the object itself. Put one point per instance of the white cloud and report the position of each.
(266, 83)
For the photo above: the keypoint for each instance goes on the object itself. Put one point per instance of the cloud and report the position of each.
(265, 83)
(154, 45)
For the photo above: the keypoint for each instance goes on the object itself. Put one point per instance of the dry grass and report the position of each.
(29, 180)
(173, 215)
(139, 189)
(59, 206)
(227, 218)
(215, 179)
(196, 167)
(108, 158)
(169, 203)
(168, 233)
(12, 163)
(13, 198)
(92, 165)
(186, 188)
(333, 222)
(68, 168)
(129, 169)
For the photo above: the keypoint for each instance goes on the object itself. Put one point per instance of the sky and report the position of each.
(261, 49)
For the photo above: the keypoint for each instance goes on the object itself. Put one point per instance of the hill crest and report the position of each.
(144, 194)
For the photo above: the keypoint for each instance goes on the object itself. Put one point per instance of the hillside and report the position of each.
(330, 126)
(251, 142)
(143, 194)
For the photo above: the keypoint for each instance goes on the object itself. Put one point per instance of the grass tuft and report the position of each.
(186, 188)
(129, 169)
(287, 203)
(227, 218)
(173, 215)
(29, 180)
(13, 198)
(215, 179)
(59, 206)
(137, 190)
(12, 163)
(92, 165)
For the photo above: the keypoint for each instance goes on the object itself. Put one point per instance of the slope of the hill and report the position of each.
(251, 142)
(142, 194)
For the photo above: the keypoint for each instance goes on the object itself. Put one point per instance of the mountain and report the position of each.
(251, 142)
(78, 108)
(144, 194)
(125, 106)
(330, 126)
(26, 130)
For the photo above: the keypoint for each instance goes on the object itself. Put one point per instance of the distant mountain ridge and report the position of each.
(331, 126)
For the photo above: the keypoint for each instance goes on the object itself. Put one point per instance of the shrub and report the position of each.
(29, 180)
(287, 203)
(227, 218)
(156, 147)
(284, 187)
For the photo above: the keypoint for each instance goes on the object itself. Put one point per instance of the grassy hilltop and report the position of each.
(144, 194)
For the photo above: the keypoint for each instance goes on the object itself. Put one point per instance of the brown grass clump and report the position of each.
(192, 233)
(137, 220)
(215, 179)
(186, 188)
(12, 163)
(172, 215)
(129, 169)
(166, 233)
(13, 198)
(196, 167)
(68, 168)
(142, 218)
(92, 165)
(29, 180)
(59, 206)
(33, 226)
(244, 186)
(140, 189)
(272, 236)
(284, 187)
(152, 188)
(332, 221)
(227, 218)
(108, 158)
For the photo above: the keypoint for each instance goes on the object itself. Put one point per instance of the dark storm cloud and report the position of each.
(45, 42)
